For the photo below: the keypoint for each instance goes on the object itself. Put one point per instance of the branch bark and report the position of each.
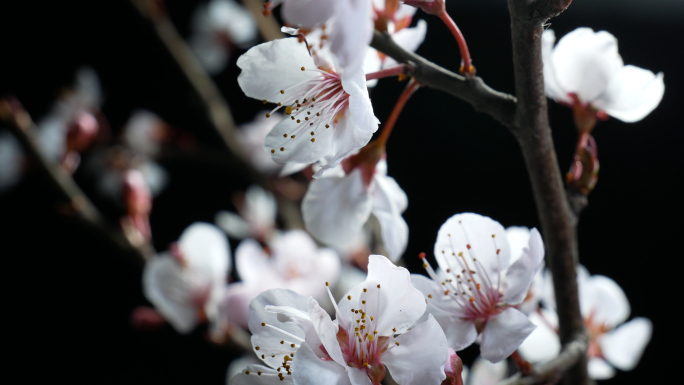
(483, 98)
(558, 222)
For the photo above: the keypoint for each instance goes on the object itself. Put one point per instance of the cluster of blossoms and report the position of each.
(489, 283)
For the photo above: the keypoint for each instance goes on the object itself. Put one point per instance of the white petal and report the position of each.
(352, 32)
(603, 300)
(358, 377)
(396, 304)
(599, 370)
(475, 230)
(307, 368)
(335, 209)
(371, 63)
(459, 332)
(347, 137)
(285, 149)
(407, 367)
(543, 344)
(271, 67)
(518, 239)
(551, 86)
(232, 224)
(520, 275)
(632, 94)
(252, 262)
(266, 339)
(504, 333)
(307, 13)
(585, 61)
(410, 38)
(360, 107)
(389, 201)
(624, 346)
(205, 245)
(170, 289)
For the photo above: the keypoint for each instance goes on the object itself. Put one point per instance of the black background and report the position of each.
(69, 296)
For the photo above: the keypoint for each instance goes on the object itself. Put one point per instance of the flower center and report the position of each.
(314, 104)
(467, 283)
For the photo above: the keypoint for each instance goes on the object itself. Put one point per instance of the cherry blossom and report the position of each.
(293, 262)
(336, 207)
(348, 26)
(185, 284)
(585, 70)
(480, 287)
(330, 114)
(218, 27)
(612, 343)
(257, 216)
(374, 328)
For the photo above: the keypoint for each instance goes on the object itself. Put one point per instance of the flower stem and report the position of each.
(466, 63)
(387, 72)
(411, 87)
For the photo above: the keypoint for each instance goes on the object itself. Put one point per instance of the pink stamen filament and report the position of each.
(387, 72)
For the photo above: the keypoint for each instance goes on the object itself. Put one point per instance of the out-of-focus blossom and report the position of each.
(137, 199)
(185, 284)
(374, 328)
(336, 207)
(612, 343)
(345, 26)
(218, 27)
(257, 216)
(330, 114)
(584, 70)
(293, 261)
(483, 372)
(394, 18)
(252, 136)
(481, 287)
(144, 133)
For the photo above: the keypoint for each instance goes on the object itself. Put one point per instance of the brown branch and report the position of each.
(553, 370)
(499, 105)
(527, 118)
(531, 128)
(23, 128)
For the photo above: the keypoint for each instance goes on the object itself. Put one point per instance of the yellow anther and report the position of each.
(327, 126)
(265, 101)
(288, 110)
(365, 290)
(378, 286)
(396, 343)
(268, 115)
(293, 136)
(284, 135)
(272, 151)
(327, 284)
(349, 297)
(282, 148)
(303, 68)
(246, 371)
(282, 92)
(312, 133)
(257, 348)
(313, 140)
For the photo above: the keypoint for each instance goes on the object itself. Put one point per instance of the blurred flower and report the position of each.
(336, 207)
(584, 70)
(612, 343)
(217, 28)
(482, 287)
(292, 261)
(330, 115)
(257, 216)
(11, 160)
(374, 328)
(185, 284)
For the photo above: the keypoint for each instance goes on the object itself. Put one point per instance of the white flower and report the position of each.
(348, 24)
(144, 131)
(217, 27)
(586, 65)
(330, 115)
(185, 284)
(257, 216)
(482, 286)
(612, 343)
(336, 207)
(374, 328)
(294, 262)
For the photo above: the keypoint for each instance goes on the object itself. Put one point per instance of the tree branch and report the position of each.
(499, 105)
(533, 132)
(23, 128)
(542, 10)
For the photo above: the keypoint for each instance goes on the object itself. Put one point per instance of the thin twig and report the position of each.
(499, 105)
(22, 126)
(267, 25)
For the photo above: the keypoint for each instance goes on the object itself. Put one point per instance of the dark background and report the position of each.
(70, 295)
